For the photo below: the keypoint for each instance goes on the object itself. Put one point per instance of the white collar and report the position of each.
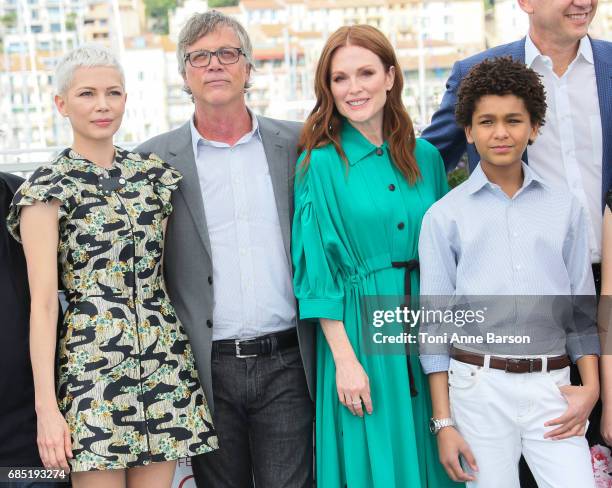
(532, 52)
(478, 180)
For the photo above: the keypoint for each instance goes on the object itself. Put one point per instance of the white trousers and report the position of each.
(501, 416)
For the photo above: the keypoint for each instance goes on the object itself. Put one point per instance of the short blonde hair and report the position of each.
(88, 56)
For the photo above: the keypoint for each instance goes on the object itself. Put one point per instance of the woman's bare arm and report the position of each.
(352, 382)
(40, 236)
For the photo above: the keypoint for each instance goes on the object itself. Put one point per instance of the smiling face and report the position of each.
(217, 84)
(359, 85)
(94, 103)
(501, 129)
(563, 21)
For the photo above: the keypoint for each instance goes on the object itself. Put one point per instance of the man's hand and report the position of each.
(450, 446)
(580, 402)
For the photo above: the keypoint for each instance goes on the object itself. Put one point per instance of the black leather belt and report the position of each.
(260, 346)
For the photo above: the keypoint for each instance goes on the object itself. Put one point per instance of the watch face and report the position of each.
(432, 426)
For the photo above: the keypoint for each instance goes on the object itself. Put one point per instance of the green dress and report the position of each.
(349, 227)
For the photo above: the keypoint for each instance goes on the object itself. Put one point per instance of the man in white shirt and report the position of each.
(229, 235)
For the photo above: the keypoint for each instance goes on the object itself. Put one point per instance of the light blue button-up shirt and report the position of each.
(479, 241)
(251, 274)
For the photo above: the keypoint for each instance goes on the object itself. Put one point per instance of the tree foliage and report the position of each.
(71, 21)
(157, 12)
(9, 20)
(222, 3)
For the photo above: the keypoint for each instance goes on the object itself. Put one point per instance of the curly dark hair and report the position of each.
(501, 76)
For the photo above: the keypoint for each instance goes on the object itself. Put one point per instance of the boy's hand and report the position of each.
(580, 400)
(606, 423)
(450, 446)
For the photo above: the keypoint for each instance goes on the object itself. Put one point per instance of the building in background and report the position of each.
(429, 36)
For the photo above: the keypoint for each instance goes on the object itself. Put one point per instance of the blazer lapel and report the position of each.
(603, 75)
(277, 155)
(181, 151)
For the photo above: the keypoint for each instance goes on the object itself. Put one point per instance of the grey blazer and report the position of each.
(187, 254)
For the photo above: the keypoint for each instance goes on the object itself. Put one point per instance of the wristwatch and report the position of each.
(435, 425)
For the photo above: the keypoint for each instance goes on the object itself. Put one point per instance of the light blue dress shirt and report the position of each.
(251, 274)
(479, 241)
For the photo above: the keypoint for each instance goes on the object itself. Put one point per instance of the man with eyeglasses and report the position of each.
(228, 265)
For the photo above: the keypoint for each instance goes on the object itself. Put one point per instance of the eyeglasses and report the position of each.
(225, 55)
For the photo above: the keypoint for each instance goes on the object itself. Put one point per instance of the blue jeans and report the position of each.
(263, 417)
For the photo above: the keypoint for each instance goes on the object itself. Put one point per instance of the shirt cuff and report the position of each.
(434, 363)
(322, 308)
(585, 346)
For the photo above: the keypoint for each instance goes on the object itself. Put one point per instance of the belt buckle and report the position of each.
(239, 351)
(513, 364)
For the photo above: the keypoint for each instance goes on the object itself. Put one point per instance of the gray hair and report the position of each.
(88, 56)
(202, 24)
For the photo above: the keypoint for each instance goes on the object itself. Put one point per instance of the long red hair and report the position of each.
(324, 122)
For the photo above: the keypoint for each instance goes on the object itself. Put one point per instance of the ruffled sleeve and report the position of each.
(166, 180)
(315, 252)
(46, 183)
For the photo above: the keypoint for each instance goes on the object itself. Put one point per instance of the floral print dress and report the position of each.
(127, 382)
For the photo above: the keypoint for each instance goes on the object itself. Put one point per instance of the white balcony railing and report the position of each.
(24, 161)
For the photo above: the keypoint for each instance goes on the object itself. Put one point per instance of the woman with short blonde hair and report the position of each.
(123, 401)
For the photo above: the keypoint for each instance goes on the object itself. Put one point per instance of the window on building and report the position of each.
(15, 48)
(36, 29)
(55, 27)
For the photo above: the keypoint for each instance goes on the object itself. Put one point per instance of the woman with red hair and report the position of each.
(363, 184)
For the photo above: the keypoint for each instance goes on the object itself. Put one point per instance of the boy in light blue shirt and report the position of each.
(506, 232)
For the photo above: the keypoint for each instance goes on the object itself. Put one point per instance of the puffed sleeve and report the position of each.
(166, 180)
(315, 250)
(46, 183)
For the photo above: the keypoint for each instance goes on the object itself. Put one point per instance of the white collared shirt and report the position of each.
(568, 152)
(251, 274)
